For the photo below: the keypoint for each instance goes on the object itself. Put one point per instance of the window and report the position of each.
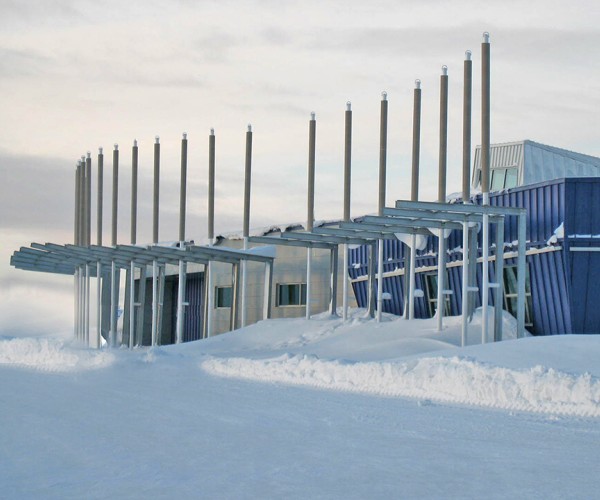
(431, 281)
(222, 297)
(291, 294)
(503, 178)
(510, 293)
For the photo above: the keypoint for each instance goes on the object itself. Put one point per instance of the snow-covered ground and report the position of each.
(304, 409)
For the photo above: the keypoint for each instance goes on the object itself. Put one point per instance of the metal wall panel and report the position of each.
(194, 294)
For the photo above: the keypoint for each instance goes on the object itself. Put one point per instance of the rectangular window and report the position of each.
(510, 293)
(431, 281)
(222, 297)
(291, 294)
(503, 178)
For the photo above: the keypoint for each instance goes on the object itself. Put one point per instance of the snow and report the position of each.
(558, 234)
(305, 409)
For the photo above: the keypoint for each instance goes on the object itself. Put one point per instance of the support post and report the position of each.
(499, 291)
(99, 200)
(139, 331)
(182, 264)
(154, 303)
(134, 191)
(268, 290)
(485, 176)
(465, 285)
(381, 198)
(521, 276)
(467, 104)
(235, 288)
(131, 305)
(244, 263)
(310, 216)
(156, 190)
(98, 339)
(371, 281)
(347, 196)
(333, 269)
(115, 195)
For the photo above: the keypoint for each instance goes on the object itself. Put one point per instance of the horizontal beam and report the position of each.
(461, 208)
(284, 241)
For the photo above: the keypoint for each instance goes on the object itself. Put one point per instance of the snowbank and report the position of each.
(454, 380)
(52, 355)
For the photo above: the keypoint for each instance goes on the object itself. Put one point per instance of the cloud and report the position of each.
(16, 63)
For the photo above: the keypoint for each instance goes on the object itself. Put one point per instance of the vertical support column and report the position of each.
(207, 303)
(467, 105)
(208, 294)
(521, 276)
(443, 155)
(114, 282)
(99, 200)
(98, 339)
(485, 178)
(88, 241)
(131, 311)
(381, 198)
(499, 291)
(247, 183)
(371, 281)
(347, 196)
(268, 290)
(139, 330)
(310, 217)
(333, 266)
(156, 274)
(465, 284)
(235, 294)
(182, 263)
(161, 302)
(134, 191)
(76, 242)
(409, 277)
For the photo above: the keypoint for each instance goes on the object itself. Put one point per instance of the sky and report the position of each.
(79, 75)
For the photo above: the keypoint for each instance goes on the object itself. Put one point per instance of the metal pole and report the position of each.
(131, 304)
(499, 292)
(465, 285)
(333, 266)
(88, 199)
(134, 191)
(521, 276)
(76, 242)
(310, 216)
(154, 302)
(381, 198)
(99, 201)
(247, 183)
(182, 264)
(347, 196)
(467, 103)
(115, 194)
(209, 297)
(98, 305)
(485, 175)
(113, 305)
(409, 277)
(156, 188)
(443, 155)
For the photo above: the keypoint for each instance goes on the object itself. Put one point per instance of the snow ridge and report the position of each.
(456, 380)
(51, 355)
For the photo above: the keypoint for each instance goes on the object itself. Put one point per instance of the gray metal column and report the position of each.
(134, 191)
(115, 195)
(268, 291)
(76, 219)
(88, 199)
(485, 178)
(235, 293)
(465, 285)
(499, 291)
(182, 264)
(371, 299)
(156, 270)
(467, 104)
(443, 156)
(409, 271)
(381, 197)
(347, 196)
(521, 276)
(114, 273)
(247, 183)
(156, 190)
(139, 330)
(310, 216)
(208, 294)
(100, 196)
(333, 269)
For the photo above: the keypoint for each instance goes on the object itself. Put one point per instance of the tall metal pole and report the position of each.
(134, 191)
(88, 241)
(114, 292)
(99, 201)
(347, 196)
(156, 190)
(310, 214)
(247, 183)
(76, 220)
(211, 229)
(182, 264)
(467, 104)
(381, 201)
(155, 269)
(443, 155)
(466, 191)
(485, 177)
(414, 195)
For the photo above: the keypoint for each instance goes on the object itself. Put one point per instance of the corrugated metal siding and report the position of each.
(546, 162)
(194, 293)
(564, 285)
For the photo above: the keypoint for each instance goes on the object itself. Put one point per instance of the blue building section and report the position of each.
(563, 282)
